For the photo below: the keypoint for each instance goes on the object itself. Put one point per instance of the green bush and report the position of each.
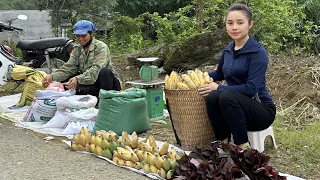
(312, 10)
(126, 35)
(282, 26)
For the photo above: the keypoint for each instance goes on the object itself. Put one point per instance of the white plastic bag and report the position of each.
(59, 120)
(41, 110)
(63, 116)
(89, 114)
(75, 127)
(50, 94)
(77, 102)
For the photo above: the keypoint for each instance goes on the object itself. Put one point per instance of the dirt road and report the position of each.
(25, 155)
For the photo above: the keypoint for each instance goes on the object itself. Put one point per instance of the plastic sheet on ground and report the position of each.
(156, 176)
(9, 111)
(150, 175)
(15, 114)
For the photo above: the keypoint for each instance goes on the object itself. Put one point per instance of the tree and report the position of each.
(200, 14)
(17, 5)
(69, 11)
(60, 11)
(134, 8)
(312, 9)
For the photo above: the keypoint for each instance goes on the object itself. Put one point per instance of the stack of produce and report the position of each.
(102, 143)
(80, 140)
(147, 156)
(190, 80)
(226, 161)
(130, 152)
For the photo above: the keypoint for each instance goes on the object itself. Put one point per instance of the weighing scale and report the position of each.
(149, 81)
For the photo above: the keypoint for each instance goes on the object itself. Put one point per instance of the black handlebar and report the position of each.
(8, 27)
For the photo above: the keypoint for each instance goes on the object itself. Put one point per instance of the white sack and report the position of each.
(74, 127)
(50, 94)
(77, 102)
(41, 110)
(63, 116)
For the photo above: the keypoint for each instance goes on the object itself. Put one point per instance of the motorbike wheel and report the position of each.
(55, 63)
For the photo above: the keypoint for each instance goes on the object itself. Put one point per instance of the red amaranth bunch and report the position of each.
(225, 162)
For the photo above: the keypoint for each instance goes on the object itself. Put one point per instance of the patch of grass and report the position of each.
(161, 131)
(162, 123)
(298, 150)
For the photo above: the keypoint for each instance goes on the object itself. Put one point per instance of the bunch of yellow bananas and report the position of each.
(80, 140)
(103, 143)
(129, 151)
(147, 156)
(190, 80)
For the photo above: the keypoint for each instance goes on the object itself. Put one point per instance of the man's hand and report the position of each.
(72, 83)
(206, 89)
(46, 81)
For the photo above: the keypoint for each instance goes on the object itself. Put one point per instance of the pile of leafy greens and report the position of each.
(225, 162)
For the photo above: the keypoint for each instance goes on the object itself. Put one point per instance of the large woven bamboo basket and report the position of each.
(189, 118)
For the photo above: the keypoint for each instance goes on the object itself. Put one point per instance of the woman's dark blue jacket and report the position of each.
(244, 72)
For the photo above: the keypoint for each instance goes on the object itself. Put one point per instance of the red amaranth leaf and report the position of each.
(236, 172)
(195, 162)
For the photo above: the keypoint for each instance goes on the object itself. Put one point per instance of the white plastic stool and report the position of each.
(256, 138)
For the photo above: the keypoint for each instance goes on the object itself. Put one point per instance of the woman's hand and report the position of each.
(206, 89)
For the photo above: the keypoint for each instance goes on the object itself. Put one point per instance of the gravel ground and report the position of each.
(25, 155)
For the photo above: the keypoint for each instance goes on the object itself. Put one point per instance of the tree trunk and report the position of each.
(199, 11)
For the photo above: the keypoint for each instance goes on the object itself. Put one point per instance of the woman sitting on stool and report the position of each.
(244, 104)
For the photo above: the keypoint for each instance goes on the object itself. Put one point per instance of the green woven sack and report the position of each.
(122, 111)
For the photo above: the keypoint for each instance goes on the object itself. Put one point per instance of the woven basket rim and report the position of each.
(181, 89)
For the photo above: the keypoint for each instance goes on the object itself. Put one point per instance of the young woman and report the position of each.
(244, 104)
(89, 68)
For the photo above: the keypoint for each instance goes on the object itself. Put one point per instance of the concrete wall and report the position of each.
(37, 25)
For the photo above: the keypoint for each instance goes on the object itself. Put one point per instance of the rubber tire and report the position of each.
(55, 63)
